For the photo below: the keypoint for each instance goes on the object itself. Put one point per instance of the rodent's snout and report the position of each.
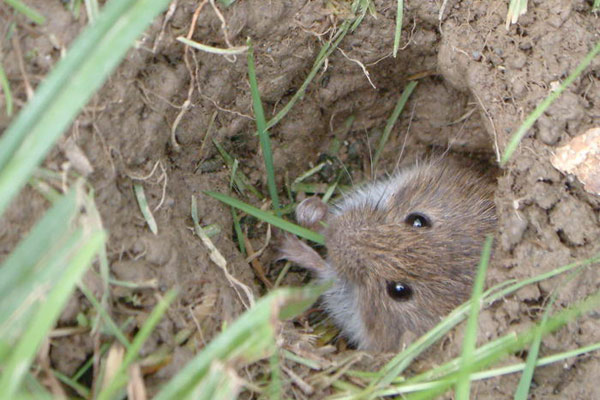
(358, 251)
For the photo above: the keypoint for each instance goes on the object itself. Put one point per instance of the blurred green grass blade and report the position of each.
(6, 91)
(47, 313)
(463, 385)
(92, 57)
(331, 190)
(136, 345)
(539, 110)
(263, 133)
(359, 9)
(275, 388)
(144, 208)
(18, 303)
(80, 389)
(522, 392)
(596, 5)
(35, 266)
(81, 49)
(249, 338)
(269, 218)
(27, 11)
(74, 6)
(88, 364)
(92, 9)
(34, 390)
(220, 383)
(398, 31)
(392, 120)
(22, 262)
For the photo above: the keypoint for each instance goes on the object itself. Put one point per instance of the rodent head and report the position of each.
(409, 247)
(402, 252)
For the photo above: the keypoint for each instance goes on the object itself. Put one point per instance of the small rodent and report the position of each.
(401, 252)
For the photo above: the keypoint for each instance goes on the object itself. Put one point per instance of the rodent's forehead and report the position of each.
(376, 195)
(438, 189)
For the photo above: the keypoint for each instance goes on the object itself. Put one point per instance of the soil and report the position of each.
(154, 120)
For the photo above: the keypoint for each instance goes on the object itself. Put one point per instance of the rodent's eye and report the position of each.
(418, 220)
(399, 291)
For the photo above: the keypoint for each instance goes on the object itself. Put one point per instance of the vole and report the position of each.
(402, 252)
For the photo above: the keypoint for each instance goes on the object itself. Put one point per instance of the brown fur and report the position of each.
(369, 244)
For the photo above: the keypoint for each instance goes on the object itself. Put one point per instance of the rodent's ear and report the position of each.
(310, 212)
(300, 253)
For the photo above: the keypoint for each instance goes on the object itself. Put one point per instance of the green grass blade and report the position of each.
(399, 18)
(400, 362)
(250, 337)
(522, 392)
(359, 9)
(310, 172)
(227, 3)
(110, 324)
(219, 384)
(392, 120)
(324, 53)
(134, 350)
(403, 388)
(463, 385)
(17, 303)
(539, 363)
(269, 218)
(144, 208)
(89, 363)
(81, 390)
(27, 11)
(237, 228)
(92, 9)
(275, 389)
(92, 57)
(213, 50)
(22, 262)
(6, 90)
(516, 8)
(46, 315)
(238, 231)
(539, 110)
(503, 346)
(263, 133)
(239, 178)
